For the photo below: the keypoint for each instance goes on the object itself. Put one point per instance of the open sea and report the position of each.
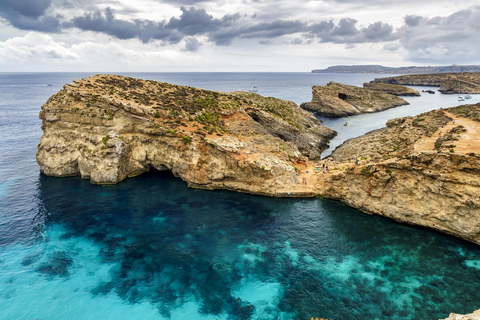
(151, 248)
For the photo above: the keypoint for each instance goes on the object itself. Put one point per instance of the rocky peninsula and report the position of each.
(395, 89)
(449, 83)
(421, 170)
(341, 100)
(106, 128)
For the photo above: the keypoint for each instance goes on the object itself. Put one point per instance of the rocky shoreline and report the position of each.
(449, 83)
(420, 170)
(107, 128)
(341, 100)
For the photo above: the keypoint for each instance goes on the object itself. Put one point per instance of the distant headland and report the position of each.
(398, 70)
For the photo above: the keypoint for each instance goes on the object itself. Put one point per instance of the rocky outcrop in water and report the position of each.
(395, 89)
(449, 83)
(106, 128)
(421, 170)
(340, 100)
(404, 172)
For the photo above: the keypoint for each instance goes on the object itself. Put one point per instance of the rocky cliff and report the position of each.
(421, 170)
(340, 100)
(449, 83)
(395, 89)
(106, 128)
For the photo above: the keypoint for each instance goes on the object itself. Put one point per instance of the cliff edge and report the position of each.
(106, 128)
(421, 170)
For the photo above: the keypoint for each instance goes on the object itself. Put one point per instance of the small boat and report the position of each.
(461, 99)
(468, 96)
(253, 88)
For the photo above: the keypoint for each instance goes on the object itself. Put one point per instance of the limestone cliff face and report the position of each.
(340, 100)
(405, 174)
(107, 128)
(421, 170)
(449, 83)
(395, 89)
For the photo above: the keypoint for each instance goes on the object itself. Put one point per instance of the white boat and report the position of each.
(460, 98)
(253, 88)
(468, 96)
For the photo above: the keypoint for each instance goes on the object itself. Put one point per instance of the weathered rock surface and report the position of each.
(405, 174)
(395, 89)
(449, 83)
(421, 170)
(107, 128)
(340, 100)
(471, 316)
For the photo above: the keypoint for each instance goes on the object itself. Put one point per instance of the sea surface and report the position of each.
(151, 248)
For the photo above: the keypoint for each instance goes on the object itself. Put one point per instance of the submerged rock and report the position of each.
(341, 100)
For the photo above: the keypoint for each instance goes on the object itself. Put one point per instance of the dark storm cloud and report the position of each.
(198, 21)
(105, 22)
(26, 8)
(29, 15)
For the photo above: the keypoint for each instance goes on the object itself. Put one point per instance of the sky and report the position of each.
(234, 35)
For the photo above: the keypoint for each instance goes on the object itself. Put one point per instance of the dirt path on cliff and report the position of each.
(468, 141)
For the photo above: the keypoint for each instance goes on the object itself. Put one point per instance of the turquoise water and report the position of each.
(150, 248)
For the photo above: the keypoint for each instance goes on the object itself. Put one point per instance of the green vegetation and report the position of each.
(186, 139)
(105, 140)
(366, 172)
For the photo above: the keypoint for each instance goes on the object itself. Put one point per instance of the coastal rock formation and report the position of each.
(395, 89)
(421, 170)
(341, 100)
(106, 128)
(471, 316)
(398, 70)
(449, 83)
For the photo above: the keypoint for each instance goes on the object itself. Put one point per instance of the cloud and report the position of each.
(29, 15)
(441, 39)
(36, 46)
(26, 8)
(191, 45)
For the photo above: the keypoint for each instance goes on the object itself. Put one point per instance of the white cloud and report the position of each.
(237, 35)
(34, 46)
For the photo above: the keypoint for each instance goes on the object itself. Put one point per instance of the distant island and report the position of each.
(400, 70)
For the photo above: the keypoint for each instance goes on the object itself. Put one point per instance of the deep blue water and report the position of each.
(150, 248)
